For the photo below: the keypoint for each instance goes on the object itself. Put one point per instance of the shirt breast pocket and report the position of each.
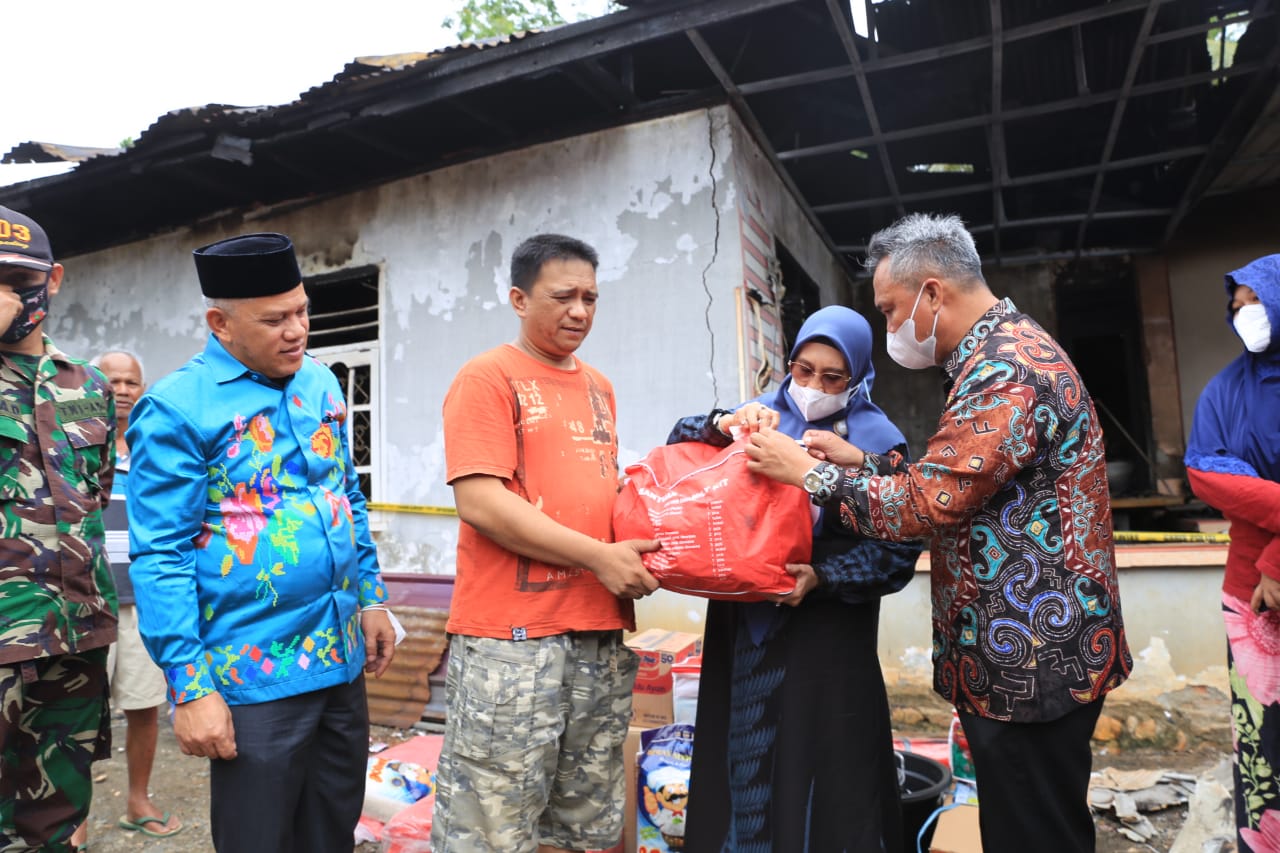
(88, 438)
(13, 437)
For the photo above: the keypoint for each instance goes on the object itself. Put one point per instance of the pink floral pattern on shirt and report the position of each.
(1255, 646)
(251, 509)
(243, 519)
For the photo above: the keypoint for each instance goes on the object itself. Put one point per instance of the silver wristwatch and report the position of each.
(821, 481)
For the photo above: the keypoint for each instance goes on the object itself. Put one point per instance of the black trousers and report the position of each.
(1033, 782)
(297, 781)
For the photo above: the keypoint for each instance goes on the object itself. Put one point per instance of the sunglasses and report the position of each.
(832, 382)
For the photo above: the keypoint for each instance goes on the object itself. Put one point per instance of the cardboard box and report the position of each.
(957, 831)
(658, 650)
(630, 755)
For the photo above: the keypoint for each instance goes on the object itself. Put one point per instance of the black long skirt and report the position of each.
(793, 749)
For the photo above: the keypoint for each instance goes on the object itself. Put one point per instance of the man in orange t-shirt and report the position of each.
(539, 680)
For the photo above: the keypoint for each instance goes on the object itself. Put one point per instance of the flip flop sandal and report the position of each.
(140, 825)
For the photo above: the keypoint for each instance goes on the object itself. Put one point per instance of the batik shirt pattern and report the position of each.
(1012, 492)
(248, 532)
(57, 449)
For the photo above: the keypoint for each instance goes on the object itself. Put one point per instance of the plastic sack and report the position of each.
(726, 533)
(961, 758)
(686, 677)
(402, 827)
(392, 785)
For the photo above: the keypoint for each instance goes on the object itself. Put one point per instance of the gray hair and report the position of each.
(921, 245)
(96, 361)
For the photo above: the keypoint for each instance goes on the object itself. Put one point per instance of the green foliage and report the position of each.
(481, 19)
(1223, 40)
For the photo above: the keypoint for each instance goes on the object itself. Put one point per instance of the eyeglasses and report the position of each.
(832, 383)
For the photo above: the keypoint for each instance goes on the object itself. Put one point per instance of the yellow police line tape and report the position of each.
(1161, 536)
(415, 508)
(1120, 535)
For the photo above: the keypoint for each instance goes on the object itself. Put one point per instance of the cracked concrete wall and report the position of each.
(654, 198)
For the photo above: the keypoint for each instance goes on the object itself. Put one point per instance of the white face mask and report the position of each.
(905, 349)
(1253, 327)
(814, 404)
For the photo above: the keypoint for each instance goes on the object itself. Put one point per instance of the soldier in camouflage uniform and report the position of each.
(57, 599)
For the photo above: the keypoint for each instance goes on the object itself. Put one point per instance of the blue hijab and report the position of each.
(867, 427)
(1236, 429)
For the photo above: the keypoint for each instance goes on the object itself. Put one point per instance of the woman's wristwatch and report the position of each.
(821, 482)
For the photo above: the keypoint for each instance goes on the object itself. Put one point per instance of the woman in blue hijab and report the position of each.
(1233, 464)
(794, 749)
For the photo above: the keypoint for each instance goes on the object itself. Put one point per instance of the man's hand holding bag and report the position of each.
(726, 533)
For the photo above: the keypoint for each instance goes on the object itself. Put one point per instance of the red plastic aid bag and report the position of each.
(726, 533)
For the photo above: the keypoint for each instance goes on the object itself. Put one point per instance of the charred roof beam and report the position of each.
(995, 136)
(753, 127)
(1061, 105)
(599, 85)
(932, 54)
(1022, 181)
(1077, 52)
(563, 46)
(219, 188)
(1117, 115)
(1250, 17)
(868, 103)
(376, 143)
(1247, 107)
(484, 117)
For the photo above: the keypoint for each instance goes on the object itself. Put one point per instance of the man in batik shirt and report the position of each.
(256, 579)
(57, 599)
(1012, 494)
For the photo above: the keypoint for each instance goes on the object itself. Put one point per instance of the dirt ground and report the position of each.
(181, 784)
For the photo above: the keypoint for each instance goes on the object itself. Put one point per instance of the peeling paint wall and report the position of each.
(656, 199)
(661, 201)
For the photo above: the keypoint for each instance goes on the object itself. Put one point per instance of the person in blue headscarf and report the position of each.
(794, 749)
(1233, 464)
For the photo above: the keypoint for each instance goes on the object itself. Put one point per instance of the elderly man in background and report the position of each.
(57, 601)
(256, 578)
(1012, 494)
(137, 684)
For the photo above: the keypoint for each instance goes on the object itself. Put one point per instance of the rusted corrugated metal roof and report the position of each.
(1257, 162)
(400, 697)
(51, 152)
(1082, 126)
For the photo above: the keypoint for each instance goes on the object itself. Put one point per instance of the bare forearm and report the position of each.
(519, 527)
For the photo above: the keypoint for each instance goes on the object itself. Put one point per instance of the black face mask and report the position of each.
(35, 307)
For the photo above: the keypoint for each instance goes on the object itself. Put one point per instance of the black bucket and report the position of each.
(923, 781)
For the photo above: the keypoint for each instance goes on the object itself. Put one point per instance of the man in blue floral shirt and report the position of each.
(256, 578)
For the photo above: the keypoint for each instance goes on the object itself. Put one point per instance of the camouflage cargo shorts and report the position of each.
(54, 722)
(533, 743)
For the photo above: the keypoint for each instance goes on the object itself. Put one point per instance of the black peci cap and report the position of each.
(247, 266)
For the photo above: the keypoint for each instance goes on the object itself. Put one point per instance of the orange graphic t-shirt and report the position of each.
(550, 435)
